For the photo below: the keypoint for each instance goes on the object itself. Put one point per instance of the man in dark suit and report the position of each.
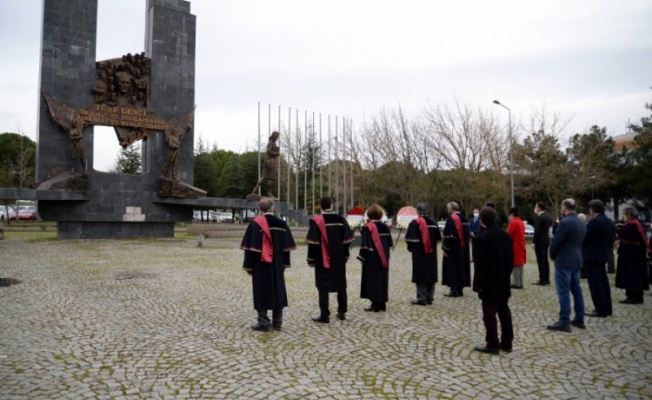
(493, 256)
(598, 242)
(566, 252)
(541, 242)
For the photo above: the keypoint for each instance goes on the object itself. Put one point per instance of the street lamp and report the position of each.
(511, 153)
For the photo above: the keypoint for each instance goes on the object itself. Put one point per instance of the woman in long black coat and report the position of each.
(631, 272)
(375, 244)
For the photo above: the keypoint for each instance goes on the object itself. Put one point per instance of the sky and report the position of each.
(587, 60)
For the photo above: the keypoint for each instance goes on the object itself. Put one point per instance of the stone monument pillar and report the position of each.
(147, 97)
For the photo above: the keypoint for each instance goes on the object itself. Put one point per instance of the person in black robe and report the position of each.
(421, 237)
(267, 244)
(375, 244)
(455, 270)
(329, 238)
(493, 255)
(631, 273)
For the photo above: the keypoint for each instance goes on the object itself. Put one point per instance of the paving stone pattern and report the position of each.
(178, 328)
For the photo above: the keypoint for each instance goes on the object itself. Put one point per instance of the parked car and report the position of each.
(441, 225)
(226, 217)
(24, 213)
(529, 231)
(5, 212)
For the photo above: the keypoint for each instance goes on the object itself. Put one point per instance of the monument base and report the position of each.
(114, 230)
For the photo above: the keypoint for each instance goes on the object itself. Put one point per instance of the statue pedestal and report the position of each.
(170, 188)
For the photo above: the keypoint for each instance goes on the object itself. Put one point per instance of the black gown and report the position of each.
(268, 279)
(631, 271)
(375, 277)
(424, 266)
(456, 269)
(340, 236)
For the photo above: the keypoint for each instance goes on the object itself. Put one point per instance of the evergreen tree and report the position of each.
(129, 160)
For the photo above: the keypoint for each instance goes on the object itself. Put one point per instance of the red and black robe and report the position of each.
(422, 237)
(374, 255)
(329, 238)
(267, 244)
(456, 267)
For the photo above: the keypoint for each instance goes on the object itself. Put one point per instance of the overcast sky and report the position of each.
(589, 60)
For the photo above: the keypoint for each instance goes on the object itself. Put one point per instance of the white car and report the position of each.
(6, 212)
(529, 231)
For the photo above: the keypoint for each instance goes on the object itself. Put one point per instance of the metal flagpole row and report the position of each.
(308, 148)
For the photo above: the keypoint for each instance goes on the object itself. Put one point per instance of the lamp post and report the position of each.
(511, 153)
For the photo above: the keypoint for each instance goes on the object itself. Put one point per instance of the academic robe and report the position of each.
(456, 269)
(375, 277)
(268, 279)
(331, 278)
(424, 265)
(631, 272)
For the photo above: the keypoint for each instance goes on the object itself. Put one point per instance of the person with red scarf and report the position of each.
(421, 237)
(375, 244)
(329, 237)
(456, 271)
(631, 273)
(267, 244)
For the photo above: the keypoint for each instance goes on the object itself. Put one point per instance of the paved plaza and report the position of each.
(150, 319)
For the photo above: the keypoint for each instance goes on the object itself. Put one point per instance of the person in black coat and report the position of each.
(267, 244)
(631, 272)
(541, 242)
(421, 237)
(375, 244)
(455, 265)
(493, 256)
(329, 237)
(597, 244)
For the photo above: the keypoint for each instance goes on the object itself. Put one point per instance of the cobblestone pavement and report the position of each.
(149, 319)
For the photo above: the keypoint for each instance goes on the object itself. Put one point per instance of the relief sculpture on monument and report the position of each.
(122, 98)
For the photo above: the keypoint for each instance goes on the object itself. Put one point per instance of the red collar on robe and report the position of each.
(458, 228)
(267, 251)
(425, 234)
(375, 238)
(325, 250)
(640, 230)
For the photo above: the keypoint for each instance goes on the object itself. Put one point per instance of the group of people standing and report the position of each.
(498, 257)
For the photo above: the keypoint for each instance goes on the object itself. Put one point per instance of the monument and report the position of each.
(145, 96)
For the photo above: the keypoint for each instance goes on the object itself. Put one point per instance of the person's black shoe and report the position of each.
(277, 327)
(341, 316)
(322, 319)
(596, 314)
(260, 327)
(429, 302)
(559, 326)
(630, 301)
(418, 302)
(452, 294)
(539, 283)
(506, 348)
(487, 349)
(578, 324)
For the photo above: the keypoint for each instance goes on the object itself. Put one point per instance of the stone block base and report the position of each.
(114, 230)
